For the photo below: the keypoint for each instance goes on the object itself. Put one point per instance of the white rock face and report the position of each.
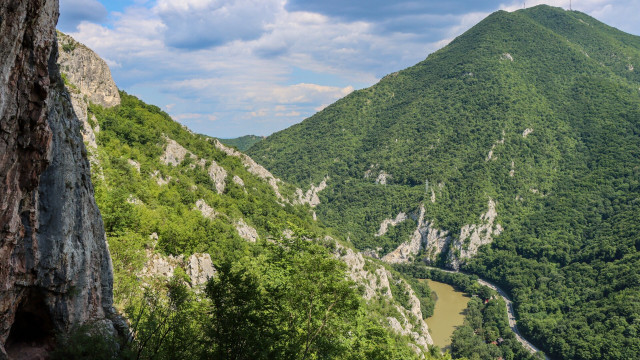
(218, 174)
(161, 266)
(434, 241)
(87, 71)
(506, 56)
(382, 178)
(238, 180)
(246, 232)
(424, 235)
(419, 332)
(493, 147)
(198, 266)
(89, 80)
(311, 196)
(526, 132)
(174, 153)
(206, 210)
(200, 269)
(384, 226)
(512, 172)
(473, 236)
(374, 283)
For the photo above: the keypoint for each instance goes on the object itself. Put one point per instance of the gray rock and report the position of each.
(55, 269)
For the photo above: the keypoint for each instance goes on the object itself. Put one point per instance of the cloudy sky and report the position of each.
(234, 67)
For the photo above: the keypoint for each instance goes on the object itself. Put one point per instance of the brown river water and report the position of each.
(447, 314)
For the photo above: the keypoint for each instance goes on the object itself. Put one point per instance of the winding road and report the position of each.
(511, 314)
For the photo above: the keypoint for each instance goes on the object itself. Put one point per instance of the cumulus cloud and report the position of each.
(231, 67)
(197, 24)
(73, 12)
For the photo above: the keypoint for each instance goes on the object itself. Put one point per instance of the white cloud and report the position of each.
(197, 24)
(236, 58)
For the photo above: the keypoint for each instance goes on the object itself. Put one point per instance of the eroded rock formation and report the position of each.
(55, 269)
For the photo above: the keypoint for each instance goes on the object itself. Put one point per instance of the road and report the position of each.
(510, 313)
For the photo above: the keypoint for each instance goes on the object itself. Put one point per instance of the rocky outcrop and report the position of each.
(375, 283)
(435, 241)
(174, 153)
(311, 196)
(253, 167)
(472, 236)
(238, 180)
(88, 80)
(246, 232)
(424, 236)
(198, 267)
(55, 269)
(218, 174)
(206, 210)
(375, 280)
(87, 72)
(384, 226)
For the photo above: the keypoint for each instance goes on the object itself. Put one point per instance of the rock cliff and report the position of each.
(88, 80)
(55, 269)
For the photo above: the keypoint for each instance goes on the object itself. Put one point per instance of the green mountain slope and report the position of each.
(242, 143)
(176, 203)
(524, 132)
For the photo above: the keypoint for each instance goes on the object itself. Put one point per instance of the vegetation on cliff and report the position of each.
(282, 294)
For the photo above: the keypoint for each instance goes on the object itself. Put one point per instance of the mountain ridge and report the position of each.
(527, 114)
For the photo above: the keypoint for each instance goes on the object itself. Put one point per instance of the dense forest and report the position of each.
(537, 110)
(242, 143)
(287, 294)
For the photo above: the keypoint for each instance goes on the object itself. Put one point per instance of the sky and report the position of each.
(228, 68)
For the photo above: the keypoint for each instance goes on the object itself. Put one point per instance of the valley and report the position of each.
(481, 204)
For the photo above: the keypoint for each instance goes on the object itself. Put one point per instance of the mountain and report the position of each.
(209, 247)
(55, 270)
(512, 153)
(242, 143)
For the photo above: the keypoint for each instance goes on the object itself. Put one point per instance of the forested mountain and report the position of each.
(215, 258)
(512, 153)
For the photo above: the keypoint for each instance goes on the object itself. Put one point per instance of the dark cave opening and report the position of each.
(32, 327)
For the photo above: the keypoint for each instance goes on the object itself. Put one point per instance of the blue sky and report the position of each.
(227, 68)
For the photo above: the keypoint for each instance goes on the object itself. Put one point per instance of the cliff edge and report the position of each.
(55, 269)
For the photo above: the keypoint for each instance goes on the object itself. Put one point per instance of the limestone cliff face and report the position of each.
(87, 71)
(55, 269)
(88, 81)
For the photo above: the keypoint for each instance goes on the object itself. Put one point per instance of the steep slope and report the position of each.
(183, 211)
(243, 143)
(523, 133)
(54, 262)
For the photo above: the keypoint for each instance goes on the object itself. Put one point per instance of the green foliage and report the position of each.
(90, 342)
(242, 143)
(276, 298)
(485, 333)
(569, 255)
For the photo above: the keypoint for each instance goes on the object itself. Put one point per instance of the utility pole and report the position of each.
(570, 9)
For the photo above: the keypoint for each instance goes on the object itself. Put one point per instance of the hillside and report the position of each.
(512, 153)
(208, 247)
(242, 143)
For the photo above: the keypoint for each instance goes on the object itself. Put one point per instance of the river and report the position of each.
(448, 313)
(510, 313)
